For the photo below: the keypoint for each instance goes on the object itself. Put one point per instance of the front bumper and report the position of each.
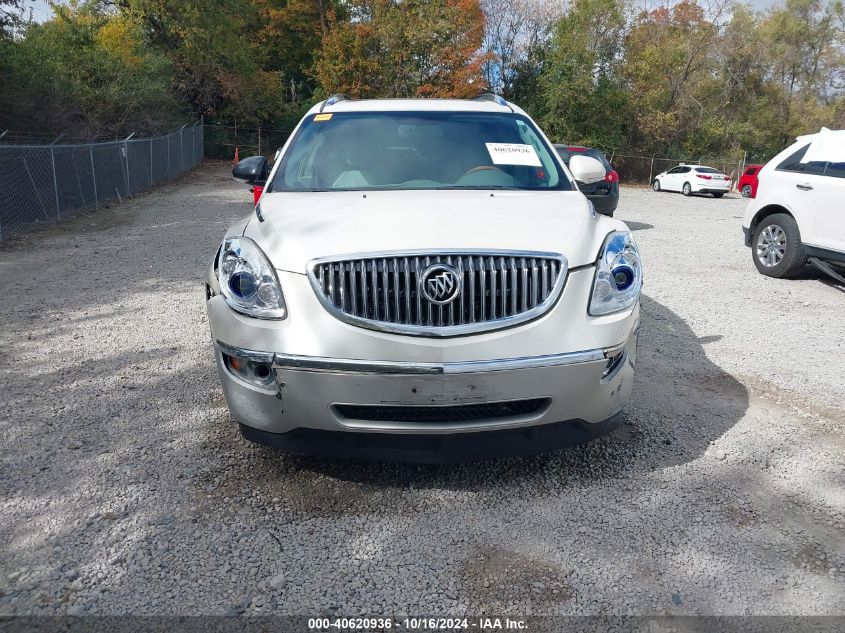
(320, 369)
(455, 448)
(305, 410)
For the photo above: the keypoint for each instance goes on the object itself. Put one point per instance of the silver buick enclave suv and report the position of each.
(423, 280)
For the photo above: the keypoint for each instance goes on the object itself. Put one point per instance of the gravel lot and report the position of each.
(127, 489)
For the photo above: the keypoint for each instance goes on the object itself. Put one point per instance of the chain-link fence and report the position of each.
(49, 183)
(221, 141)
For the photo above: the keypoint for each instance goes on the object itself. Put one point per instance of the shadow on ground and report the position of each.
(675, 382)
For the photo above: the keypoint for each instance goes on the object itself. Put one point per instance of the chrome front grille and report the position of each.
(384, 292)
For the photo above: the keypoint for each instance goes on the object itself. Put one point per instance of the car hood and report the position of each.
(298, 227)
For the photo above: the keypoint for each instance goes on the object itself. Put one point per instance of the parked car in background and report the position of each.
(690, 179)
(258, 187)
(604, 194)
(747, 184)
(798, 213)
(422, 280)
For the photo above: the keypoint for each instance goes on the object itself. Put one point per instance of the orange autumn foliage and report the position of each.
(413, 48)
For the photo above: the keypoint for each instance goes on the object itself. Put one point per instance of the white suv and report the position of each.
(422, 279)
(799, 211)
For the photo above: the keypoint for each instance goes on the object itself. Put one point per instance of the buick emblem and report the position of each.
(440, 284)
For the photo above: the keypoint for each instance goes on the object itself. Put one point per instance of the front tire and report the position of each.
(656, 185)
(746, 191)
(776, 246)
(687, 189)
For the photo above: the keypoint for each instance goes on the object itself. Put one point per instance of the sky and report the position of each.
(41, 10)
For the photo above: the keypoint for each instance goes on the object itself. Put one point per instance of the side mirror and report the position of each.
(586, 169)
(252, 170)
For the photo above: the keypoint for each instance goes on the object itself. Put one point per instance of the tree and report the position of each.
(401, 49)
(805, 43)
(11, 17)
(217, 55)
(515, 34)
(582, 98)
(670, 57)
(87, 72)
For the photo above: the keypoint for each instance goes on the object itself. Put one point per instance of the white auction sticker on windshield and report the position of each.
(513, 154)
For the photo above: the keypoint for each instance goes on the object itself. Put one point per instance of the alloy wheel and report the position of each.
(771, 246)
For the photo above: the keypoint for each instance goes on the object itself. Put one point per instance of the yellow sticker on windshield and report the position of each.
(323, 117)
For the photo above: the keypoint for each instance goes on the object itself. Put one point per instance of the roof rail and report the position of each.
(334, 99)
(489, 96)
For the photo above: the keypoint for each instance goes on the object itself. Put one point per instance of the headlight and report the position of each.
(248, 281)
(619, 275)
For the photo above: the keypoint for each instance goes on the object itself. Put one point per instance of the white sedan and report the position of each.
(690, 179)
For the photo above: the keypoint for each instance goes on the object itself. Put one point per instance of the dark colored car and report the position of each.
(747, 184)
(604, 194)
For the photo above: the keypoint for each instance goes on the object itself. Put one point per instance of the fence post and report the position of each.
(259, 140)
(126, 151)
(182, 149)
(651, 169)
(168, 154)
(151, 161)
(93, 176)
(55, 184)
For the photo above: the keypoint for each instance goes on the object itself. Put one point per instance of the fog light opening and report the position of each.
(259, 374)
(262, 371)
(614, 361)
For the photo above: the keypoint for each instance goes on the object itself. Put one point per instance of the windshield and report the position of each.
(363, 151)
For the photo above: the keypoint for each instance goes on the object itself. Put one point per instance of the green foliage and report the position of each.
(680, 81)
(674, 81)
(581, 99)
(87, 72)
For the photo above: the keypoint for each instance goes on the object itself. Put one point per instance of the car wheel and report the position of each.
(718, 195)
(687, 190)
(656, 185)
(746, 191)
(776, 246)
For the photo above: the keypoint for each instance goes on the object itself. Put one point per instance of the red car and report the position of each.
(747, 184)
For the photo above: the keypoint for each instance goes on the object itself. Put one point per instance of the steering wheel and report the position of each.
(481, 168)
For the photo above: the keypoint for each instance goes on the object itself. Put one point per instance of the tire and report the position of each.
(718, 195)
(656, 185)
(746, 191)
(687, 189)
(776, 246)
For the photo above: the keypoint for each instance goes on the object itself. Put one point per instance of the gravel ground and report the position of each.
(127, 489)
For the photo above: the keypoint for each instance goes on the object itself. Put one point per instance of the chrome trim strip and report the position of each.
(340, 365)
(448, 330)
(246, 354)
